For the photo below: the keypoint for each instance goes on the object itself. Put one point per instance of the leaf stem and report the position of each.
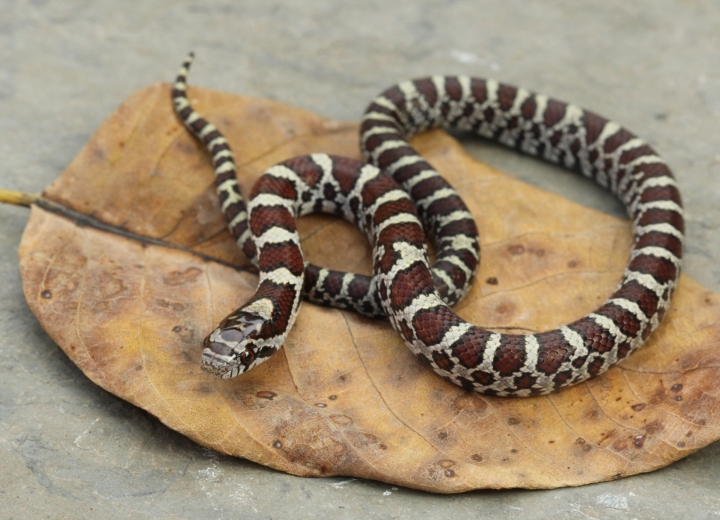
(18, 198)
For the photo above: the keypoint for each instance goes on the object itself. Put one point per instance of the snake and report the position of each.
(396, 196)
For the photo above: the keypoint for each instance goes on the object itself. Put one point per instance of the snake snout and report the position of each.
(230, 350)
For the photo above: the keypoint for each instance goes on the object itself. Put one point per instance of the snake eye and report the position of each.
(247, 356)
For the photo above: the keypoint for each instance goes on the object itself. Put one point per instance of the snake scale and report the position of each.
(397, 194)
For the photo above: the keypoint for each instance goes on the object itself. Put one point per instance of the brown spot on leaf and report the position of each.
(46, 294)
(638, 407)
(582, 445)
(505, 308)
(492, 281)
(362, 439)
(109, 287)
(606, 435)
(176, 278)
(341, 420)
(266, 394)
(654, 427)
(639, 440)
(516, 249)
(470, 402)
(168, 304)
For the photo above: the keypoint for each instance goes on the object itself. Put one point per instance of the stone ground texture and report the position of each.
(71, 450)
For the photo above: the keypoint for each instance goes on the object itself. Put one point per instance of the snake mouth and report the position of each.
(227, 363)
(218, 364)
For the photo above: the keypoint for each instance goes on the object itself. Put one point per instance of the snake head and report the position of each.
(233, 347)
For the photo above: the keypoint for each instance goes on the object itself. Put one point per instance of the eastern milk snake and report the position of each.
(404, 288)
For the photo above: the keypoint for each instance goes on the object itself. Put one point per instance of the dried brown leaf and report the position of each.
(127, 265)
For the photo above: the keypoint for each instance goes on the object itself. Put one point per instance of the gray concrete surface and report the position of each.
(70, 450)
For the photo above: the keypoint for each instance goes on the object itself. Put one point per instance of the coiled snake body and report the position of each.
(404, 287)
